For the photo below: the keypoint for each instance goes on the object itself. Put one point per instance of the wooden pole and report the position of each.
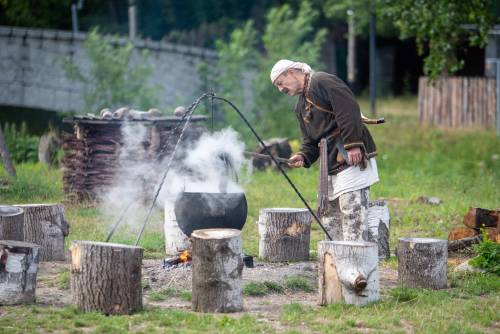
(45, 225)
(106, 277)
(422, 262)
(18, 270)
(11, 223)
(348, 272)
(217, 284)
(284, 234)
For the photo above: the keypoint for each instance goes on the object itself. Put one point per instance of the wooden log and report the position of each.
(217, 284)
(378, 227)
(106, 277)
(422, 262)
(477, 218)
(458, 233)
(348, 272)
(44, 225)
(18, 270)
(284, 234)
(456, 245)
(11, 223)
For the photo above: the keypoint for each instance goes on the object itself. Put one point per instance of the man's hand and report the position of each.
(355, 156)
(296, 161)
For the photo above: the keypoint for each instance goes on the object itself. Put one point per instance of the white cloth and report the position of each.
(351, 179)
(284, 64)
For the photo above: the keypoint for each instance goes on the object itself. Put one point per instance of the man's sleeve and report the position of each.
(309, 147)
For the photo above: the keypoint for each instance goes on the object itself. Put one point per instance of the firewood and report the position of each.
(422, 263)
(348, 272)
(477, 218)
(378, 227)
(217, 271)
(456, 245)
(45, 225)
(458, 233)
(11, 223)
(18, 270)
(106, 277)
(284, 234)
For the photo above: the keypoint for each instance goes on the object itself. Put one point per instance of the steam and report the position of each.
(210, 164)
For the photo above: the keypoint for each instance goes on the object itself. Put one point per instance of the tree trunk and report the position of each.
(18, 270)
(217, 268)
(11, 223)
(175, 240)
(106, 277)
(284, 234)
(422, 262)
(348, 272)
(44, 225)
(4, 152)
(378, 227)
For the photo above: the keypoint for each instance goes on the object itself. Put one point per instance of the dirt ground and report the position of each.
(155, 278)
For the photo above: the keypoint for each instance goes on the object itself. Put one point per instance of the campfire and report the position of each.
(182, 260)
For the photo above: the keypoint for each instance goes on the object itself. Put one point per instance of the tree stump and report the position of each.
(11, 223)
(422, 262)
(348, 272)
(106, 277)
(175, 240)
(44, 225)
(217, 268)
(284, 234)
(378, 227)
(18, 270)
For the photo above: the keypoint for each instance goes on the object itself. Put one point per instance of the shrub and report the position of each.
(488, 255)
(298, 283)
(22, 146)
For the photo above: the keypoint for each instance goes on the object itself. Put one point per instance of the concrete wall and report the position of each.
(31, 75)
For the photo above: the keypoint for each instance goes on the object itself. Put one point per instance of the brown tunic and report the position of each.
(326, 110)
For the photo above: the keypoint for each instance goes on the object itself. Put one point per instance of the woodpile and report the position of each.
(91, 153)
(458, 102)
(279, 147)
(474, 220)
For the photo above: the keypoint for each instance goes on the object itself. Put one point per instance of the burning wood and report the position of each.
(181, 260)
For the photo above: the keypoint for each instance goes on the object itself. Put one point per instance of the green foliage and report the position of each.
(114, 79)
(22, 146)
(298, 283)
(438, 24)
(403, 294)
(487, 255)
(40, 13)
(262, 288)
(243, 67)
(63, 280)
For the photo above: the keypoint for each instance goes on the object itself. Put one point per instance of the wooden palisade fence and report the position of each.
(458, 102)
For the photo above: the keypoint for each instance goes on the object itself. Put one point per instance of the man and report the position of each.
(326, 108)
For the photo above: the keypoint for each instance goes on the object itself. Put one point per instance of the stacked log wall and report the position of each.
(458, 102)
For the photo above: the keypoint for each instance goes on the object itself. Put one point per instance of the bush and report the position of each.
(22, 146)
(488, 255)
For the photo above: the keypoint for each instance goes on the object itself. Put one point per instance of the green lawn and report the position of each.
(461, 167)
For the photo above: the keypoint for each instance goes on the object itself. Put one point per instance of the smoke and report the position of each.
(210, 164)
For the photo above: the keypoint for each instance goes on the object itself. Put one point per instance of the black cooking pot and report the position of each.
(194, 211)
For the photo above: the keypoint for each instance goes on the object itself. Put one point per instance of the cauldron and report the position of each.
(194, 211)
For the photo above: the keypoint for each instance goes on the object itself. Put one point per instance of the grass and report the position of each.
(461, 167)
(262, 288)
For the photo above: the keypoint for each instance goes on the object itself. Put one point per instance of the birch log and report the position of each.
(217, 271)
(422, 262)
(11, 223)
(106, 277)
(348, 272)
(175, 240)
(18, 270)
(44, 225)
(284, 234)
(378, 227)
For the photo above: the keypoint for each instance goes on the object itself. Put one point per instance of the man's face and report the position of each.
(288, 84)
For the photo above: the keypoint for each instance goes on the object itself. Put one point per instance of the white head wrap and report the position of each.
(284, 64)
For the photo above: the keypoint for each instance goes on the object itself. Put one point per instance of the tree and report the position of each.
(439, 25)
(246, 60)
(113, 79)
